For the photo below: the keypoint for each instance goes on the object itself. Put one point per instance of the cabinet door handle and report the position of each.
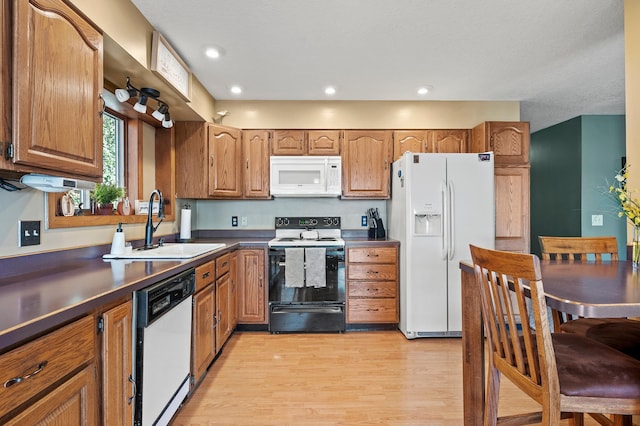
(206, 275)
(215, 321)
(17, 380)
(133, 388)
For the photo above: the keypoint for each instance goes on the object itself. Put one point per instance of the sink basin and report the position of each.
(168, 251)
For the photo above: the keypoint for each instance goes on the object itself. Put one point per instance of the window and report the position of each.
(113, 153)
(113, 149)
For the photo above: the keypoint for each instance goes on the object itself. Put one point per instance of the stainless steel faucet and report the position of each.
(150, 229)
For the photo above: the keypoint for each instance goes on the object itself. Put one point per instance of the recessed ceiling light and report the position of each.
(424, 90)
(236, 90)
(214, 52)
(330, 90)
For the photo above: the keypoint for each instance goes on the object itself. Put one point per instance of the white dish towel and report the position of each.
(316, 267)
(294, 267)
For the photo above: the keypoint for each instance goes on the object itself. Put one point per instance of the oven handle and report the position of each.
(307, 309)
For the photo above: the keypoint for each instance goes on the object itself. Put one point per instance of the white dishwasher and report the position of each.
(163, 348)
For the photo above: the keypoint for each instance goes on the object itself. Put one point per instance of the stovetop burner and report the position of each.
(307, 232)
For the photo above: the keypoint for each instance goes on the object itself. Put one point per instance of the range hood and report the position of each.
(48, 183)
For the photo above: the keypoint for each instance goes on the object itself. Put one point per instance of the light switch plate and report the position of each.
(596, 220)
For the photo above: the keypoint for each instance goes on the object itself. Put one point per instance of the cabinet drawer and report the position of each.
(44, 361)
(205, 275)
(372, 310)
(223, 264)
(372, 289)
(371, 272)
(373, 255)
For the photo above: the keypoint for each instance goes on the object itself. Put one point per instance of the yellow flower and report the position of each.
(627, 204)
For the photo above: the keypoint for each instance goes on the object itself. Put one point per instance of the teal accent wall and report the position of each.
(572, 164)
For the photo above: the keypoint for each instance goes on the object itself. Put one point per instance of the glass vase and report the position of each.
(635, 247)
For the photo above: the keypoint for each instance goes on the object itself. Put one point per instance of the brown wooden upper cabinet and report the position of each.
(509, 140)
(208, 160)
(410, 140)
(306, 142)
(255, 147)
(56, 95)
(453, 140)
(366, 158)
(450, 140)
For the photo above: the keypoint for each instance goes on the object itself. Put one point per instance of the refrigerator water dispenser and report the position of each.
(427, 224)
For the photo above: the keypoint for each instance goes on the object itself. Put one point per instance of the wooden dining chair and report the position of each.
(567, 374)
(620, 333)
(579, 248)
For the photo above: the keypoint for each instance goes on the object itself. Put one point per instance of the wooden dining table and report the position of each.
(590, 289)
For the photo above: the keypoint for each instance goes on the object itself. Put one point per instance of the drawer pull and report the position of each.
(224, 264)
(373, 272)
(206, 275)
(17, 380)
(373, 310)
(373, 255)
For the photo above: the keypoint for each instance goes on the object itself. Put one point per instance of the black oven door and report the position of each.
(307, 308)
(333, 292)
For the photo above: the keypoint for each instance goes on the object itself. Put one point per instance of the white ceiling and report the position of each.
(560, 58)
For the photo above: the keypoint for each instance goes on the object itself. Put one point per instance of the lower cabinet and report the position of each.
(372, 284)
(214, 311)
(203, 344)
(118, 388)
(73, 403)
(251, 288)
(52, 379)
(225, 299)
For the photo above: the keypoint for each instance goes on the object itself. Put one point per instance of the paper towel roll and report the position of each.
(185, 224)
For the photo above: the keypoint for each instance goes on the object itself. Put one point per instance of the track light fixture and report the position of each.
(161, 113)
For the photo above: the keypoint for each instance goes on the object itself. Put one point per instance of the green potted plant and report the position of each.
(104, 194)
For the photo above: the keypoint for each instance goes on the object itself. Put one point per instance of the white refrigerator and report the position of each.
(440, 203)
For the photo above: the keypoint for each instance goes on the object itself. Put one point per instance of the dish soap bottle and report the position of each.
(117, 245)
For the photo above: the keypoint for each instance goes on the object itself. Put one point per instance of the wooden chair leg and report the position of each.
(622, 420)
(577, 419)
(492, 396)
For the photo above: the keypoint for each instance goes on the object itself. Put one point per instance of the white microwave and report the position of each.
(306, 176)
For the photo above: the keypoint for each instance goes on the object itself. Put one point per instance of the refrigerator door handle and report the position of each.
(451, 215)
(445, 220)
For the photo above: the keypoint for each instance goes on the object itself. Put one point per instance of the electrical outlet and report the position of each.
(363, 221)
(234, 220)
(596, 220)
(243, 221)
(28, 233)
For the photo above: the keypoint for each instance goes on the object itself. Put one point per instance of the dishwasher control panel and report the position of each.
(152, 302)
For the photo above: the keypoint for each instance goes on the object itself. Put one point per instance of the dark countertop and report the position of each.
(61, 286)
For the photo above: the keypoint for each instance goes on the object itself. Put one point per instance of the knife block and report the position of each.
(376, 230)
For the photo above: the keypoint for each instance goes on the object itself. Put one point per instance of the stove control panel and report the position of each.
(331, 222)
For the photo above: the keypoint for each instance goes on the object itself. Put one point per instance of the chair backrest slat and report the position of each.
(579, 248)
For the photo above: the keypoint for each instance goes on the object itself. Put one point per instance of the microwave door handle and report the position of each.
(326, 175)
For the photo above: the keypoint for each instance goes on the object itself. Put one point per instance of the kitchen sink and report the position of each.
(167, 251)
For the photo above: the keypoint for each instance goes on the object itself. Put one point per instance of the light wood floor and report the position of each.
(356, 378)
